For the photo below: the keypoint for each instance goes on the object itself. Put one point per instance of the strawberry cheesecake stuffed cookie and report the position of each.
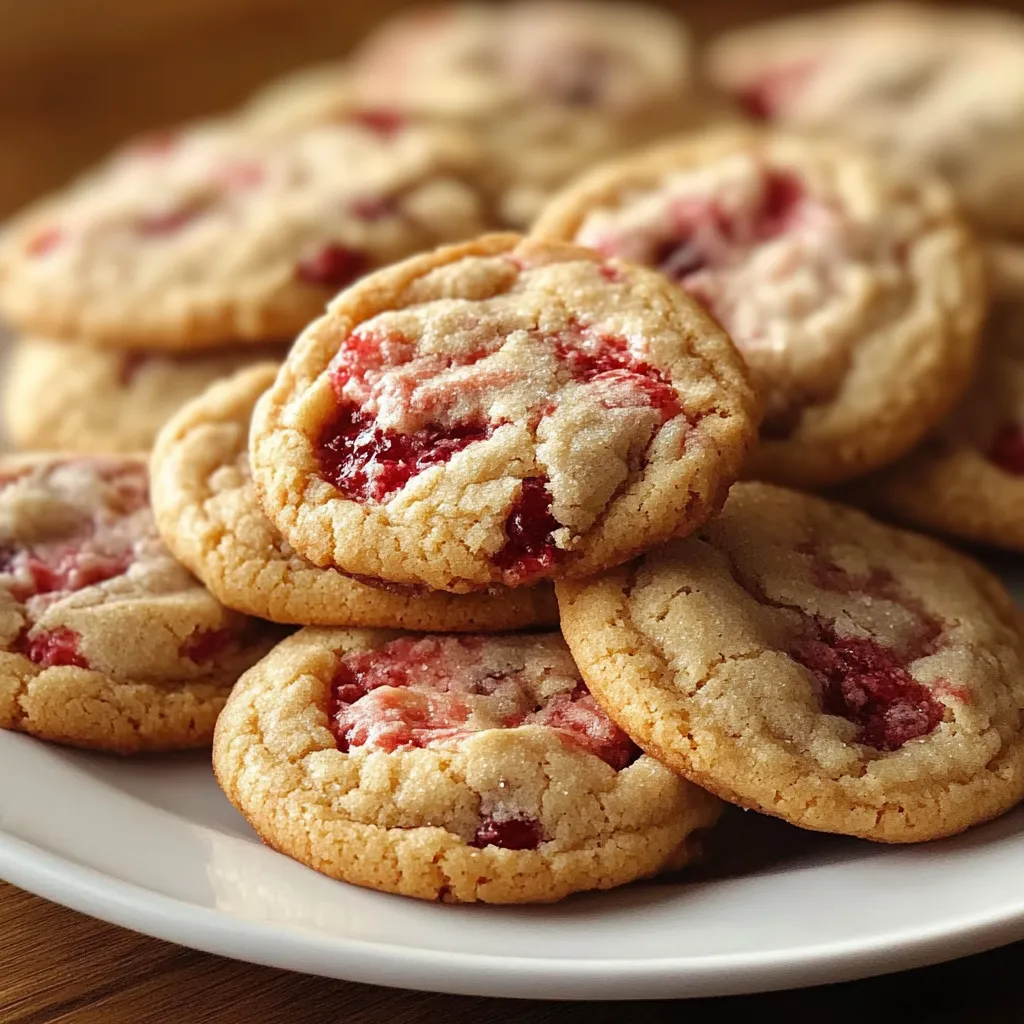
(499, 413)
(208, 512)
(105, 640)
(854, 292)
(798, 658)
(217, 234)
(452, 768)
(940, 89)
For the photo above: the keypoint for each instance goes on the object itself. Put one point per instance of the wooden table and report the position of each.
(56, 965)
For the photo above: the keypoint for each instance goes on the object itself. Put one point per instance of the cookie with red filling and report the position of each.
(854, 293)
(208, 512)
(217, 233)
(801, 659)
(941, 90)
(62, 396)
(453, 768)
(967, 479)
(548, 86)
(105, 640)
(500, 412)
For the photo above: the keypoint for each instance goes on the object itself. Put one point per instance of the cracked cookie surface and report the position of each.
(936, 88)
(216, 233)
(67, 397)
(453, 768)
(499, 413)
(208, 511)
(798, 658)
(854, 293)
(967, 479)
(105, 640)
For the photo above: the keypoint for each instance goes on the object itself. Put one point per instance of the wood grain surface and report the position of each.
(58, 966)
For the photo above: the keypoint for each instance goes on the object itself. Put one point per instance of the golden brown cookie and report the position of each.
(941, 90)
(452, 768)
(217, 233)
(500, 412)
(548, 88)
(207, 509)
(67, 397)
(105, 641)
(798, 658)
(854, 292)
(967, 479)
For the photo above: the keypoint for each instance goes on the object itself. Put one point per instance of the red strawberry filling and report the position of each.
(706, 234)
(530, 548)
(51, 647)
(369, 462)
(385, 123)
(239, 174)
(206, 644)
(333, 266)
(373, 208)
(67, 568)
(44, 241)
(765, 96)
(511, 833)
(417, 691)
(607, 360)
(861, 679)
(89, 547)
(1006, 449)
(869, 685)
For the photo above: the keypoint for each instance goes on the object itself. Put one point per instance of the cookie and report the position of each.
(940, 89)
(801, 659)
(967, 479)
(308, 96)
(208, 512)
(500, 412)
(105, 641)
(460, 769)
(66, 397)
(854, 292)
(218, 234)
(549, 87)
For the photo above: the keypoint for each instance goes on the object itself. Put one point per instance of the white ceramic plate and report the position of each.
(153, 845)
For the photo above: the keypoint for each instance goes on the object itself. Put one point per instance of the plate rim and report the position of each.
(126, 904)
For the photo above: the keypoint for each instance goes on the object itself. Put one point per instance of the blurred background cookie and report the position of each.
(967, 479)
(941, 88)
(70, 397)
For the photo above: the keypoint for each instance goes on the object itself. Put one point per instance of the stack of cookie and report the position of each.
(466, 426)
(192, 254)
(938, 91)
(548, 87)
(159, 272)
(544, 631)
